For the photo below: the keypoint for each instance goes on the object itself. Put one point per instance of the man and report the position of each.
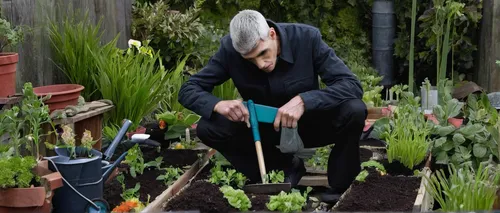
(278, 64)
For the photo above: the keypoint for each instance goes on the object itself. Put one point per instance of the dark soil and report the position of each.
(371, 142)
(259, 202)
(206, 197)
(365, 154)
(381, 193)
(396, 168)
(202, 196)
(149, 185)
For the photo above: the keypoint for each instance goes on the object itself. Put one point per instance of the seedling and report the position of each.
(171, 175)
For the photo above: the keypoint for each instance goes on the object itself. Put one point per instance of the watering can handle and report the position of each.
(111, 149)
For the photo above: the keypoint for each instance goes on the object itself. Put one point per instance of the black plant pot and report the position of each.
(155, 132)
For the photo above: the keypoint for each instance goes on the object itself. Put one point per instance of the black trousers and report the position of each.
(341, 126)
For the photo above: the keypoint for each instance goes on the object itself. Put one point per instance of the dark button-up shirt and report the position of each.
(304, 56)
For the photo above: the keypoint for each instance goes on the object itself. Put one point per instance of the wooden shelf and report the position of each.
(11, 100)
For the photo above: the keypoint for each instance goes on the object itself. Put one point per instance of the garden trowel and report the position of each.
(265, 114)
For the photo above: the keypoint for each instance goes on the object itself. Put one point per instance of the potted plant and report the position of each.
(9, 36)
(26, 183)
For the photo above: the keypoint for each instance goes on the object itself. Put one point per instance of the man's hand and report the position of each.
(234, 110)
(289, 114)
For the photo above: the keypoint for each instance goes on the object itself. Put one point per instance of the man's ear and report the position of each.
(272, 33)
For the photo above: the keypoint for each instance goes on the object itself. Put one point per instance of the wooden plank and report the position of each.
(35, 63)
(92, 124)
(487, 75)
(23, 14)
(9, 101)
(6, 9)
(82, 116)
(320, 180)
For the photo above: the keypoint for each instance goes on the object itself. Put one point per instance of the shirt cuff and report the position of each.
(309, 101)
(208, 109)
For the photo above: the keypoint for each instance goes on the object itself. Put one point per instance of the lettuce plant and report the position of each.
(236, 198)
(288, 202)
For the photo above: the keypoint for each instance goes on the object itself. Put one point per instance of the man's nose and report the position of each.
(261, 64)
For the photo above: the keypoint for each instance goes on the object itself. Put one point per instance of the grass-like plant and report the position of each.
(465, 189)
(73, 43)
(135, 81)
(408, 137)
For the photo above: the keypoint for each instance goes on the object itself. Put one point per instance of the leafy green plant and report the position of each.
(73, 41)
(128, 193)
(138, 80)
(155, 163)
(17, 171)
(466, 189)
(10, 36)
(407, 136)
(135, 160)
(320, 158)
(177, 122)
(236, 198)
(35, 113)
(288, 202)
(367, 164)
(471, 143)
(229, 177)
(13, 124)
(171, 175)
(275, 177)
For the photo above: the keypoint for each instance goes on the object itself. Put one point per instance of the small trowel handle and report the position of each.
(256, 136)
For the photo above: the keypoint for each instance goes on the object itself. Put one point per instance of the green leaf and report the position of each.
(470, 130)
(442, 158)
(191, 119)
(453, 108)
(362, 176)
(448, 145)
(479, 150)
(444, 131)
(458, 138)
(440, 141)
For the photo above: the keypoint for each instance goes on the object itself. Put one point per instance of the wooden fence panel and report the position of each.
(35, 58)
(487, 73)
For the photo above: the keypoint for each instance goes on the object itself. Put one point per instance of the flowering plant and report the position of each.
(130, 205)
(69, 141)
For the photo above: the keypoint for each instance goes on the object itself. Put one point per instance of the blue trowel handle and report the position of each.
(256, 137)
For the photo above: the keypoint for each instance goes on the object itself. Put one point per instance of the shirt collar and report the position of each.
(286, 51)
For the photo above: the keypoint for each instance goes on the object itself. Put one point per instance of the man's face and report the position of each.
(265, 54)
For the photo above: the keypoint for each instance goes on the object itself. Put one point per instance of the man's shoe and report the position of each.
(297, 171)
(332, 196)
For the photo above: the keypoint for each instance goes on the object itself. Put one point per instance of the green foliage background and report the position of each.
(345, 26)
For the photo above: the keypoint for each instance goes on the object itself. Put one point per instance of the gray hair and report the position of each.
(246, 29)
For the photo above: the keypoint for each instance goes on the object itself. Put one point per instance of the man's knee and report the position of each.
(356, 109)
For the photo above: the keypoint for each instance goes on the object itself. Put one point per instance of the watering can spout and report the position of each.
(108, 169)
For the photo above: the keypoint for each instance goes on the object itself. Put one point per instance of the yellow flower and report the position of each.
(87, 140)
(68, 136)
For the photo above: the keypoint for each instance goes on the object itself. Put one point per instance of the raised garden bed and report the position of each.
(396, 190)
(150, 187)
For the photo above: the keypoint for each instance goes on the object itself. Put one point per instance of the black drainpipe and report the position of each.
(383, 33)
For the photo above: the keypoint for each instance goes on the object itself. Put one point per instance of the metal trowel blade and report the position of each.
(270, 188)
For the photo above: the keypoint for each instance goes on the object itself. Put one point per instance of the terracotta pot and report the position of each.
(62, 95)
(34, 199)
(8, 64)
